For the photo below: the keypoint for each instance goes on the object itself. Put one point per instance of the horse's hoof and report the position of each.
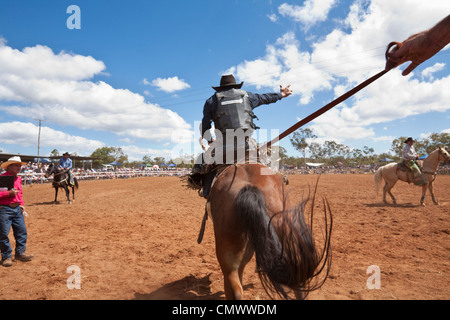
(422, 204)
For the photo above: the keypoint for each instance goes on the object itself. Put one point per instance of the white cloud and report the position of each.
(392, 98)
(384, 138)
(354, 53)
(26, 134)
(136, 153)
(170, 84)
(428, 72)
(40, 62)
(272, 17)
(55, 87)
(310, 13)
(356, 50)
(285, 64)
(348, 55)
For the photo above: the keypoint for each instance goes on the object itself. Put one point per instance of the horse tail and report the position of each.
(378, 179)
(75, 180)
(288, 258)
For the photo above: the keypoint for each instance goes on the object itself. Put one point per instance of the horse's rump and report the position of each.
(249, 205)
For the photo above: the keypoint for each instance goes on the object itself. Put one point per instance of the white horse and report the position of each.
(391, 174)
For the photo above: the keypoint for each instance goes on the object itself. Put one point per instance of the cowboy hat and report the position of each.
(12, 160)
(409, 139)
(228, 81)
(66, 153)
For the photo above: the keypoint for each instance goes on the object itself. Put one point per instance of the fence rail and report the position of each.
(34, 177)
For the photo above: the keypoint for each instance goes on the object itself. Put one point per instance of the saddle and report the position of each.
(412, 176)
(195, 179)
(402, 166)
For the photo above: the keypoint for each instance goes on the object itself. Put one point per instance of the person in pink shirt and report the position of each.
(11, 215)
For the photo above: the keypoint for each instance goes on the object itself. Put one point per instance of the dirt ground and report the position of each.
(137, 239)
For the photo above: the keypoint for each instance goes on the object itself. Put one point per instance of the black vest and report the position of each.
(233, 111)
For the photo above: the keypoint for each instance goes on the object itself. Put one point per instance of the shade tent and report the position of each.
(172, 165)
(386, 160)
(423, 157)
(115, 163)
(314, 164)
(42, 160)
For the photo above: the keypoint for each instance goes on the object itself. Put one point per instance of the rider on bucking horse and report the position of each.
(230, 108)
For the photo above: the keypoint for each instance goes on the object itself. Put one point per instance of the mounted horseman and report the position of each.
(231, 110)
(410, 156)
(65, 164)
(63, 177)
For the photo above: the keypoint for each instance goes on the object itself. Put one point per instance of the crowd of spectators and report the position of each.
(35, 173)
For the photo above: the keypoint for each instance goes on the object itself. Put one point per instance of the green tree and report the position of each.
(107, 155)
(357, 156)
(54, 153)
(159, 160)
(299, 140)
(317, 151)
(435, 140)
(148, 160)
(398, 145)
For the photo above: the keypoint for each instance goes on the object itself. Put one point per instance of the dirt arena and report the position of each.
(137, 239)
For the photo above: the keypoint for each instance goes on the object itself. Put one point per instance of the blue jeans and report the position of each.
(12, 217)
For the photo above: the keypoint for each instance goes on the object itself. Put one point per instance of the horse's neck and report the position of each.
(431, 162)
(58, 175)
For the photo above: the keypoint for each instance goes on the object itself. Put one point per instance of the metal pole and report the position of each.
(39, 141)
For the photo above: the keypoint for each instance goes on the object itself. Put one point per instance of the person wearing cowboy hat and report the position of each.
(409, 156)
(12, 215)
(65, 163)
(230, 107)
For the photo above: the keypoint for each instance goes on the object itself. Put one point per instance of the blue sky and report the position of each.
(136, 74)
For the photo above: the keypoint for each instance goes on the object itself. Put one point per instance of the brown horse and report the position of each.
(251, 215)
(61, 180)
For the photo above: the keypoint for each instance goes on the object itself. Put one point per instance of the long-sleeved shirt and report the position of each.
(5, 199)
(65, 163)
(409, 153)
(255, 101)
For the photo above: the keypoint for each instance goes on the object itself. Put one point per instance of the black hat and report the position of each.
(228, 81)
(410, 139)
(66, 153)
